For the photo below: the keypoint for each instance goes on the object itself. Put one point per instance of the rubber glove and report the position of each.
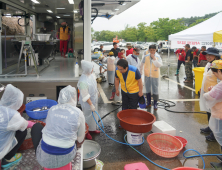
(92, 107)
(30, 124)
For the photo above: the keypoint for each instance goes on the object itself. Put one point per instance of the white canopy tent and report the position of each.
(199, 35)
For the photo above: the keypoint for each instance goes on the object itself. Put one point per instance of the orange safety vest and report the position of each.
(155, 71)
(64, 35)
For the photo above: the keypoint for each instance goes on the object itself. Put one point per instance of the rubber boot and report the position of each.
(112, 97)
(88, 136)
(211, 137)
(155, 105)
(148, 97)
(206, 130)
(177, 73)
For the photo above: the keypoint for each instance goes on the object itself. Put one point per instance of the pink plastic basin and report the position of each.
(136, 166)
(66, 167)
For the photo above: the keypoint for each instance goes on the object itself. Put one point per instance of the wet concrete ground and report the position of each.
(116, 156)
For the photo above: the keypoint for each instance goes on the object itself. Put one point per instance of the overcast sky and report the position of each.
(150, 10)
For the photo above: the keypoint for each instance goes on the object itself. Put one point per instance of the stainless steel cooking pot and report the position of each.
(42, 37)
(91, 152)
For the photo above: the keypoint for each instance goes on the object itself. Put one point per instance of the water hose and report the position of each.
(108, 135)
(131, 145)
(126, 142)
(166, 104)
(110, 112)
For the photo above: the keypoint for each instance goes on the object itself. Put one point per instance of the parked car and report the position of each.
(140, 45)
(106, 46)
(150, 43)
(164, 44)
(122, 44)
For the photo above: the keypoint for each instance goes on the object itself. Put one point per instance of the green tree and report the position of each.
(197, 22)
(150, 34)
(92, 33)
(141, 31)
(164, 27)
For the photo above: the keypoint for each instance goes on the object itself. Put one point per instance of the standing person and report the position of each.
(188, 64)
(133, 59)
(115, 49)
(121, 55)
(12, 126)
(116, 60)
(64, 36)
(103, 51)
(88, 96)
(196, 53)
(110, 60)
(209, 79)
(130, 49)
(131, 84)
(152, 63)
(56, 144)
(180, 53)
(202, 60)
(213, 100)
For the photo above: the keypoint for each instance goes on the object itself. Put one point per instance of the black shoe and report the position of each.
(206, 130)
(217, 166)
(219, 157)
(211, 137)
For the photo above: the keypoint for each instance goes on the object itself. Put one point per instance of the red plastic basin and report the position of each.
(183, 140)
(137, 121)
(164, 145)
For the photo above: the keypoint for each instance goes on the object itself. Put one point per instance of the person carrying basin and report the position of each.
(213, 100)
(12, 126)
(209, 79)
(56, 143)
(131, 84)
(151, 63)
(133, 59)
(88, 99)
